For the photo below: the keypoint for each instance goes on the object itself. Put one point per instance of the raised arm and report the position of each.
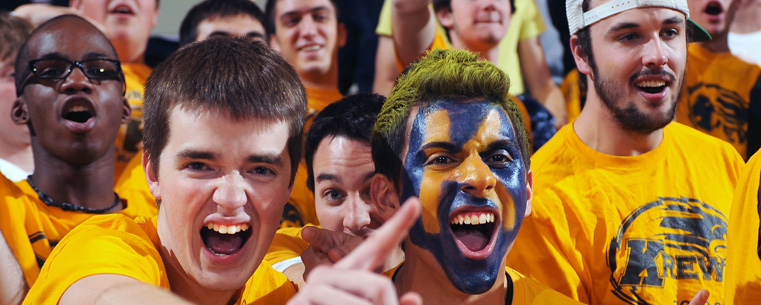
(414, 28)
(539, 80)
(13, 285)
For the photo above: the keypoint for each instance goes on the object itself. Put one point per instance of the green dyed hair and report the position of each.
(441, 74)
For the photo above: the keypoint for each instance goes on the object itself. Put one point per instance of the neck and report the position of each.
(89, 185)
(436, 288)
(20, 155)
(318, 80)
(188, 288)
(129, 51)
(597, 128)
(746, 19)
(718, 44)
(489, 52)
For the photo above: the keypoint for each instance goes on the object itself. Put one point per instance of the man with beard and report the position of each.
(450, 135)
(721, 95)
(629, 207)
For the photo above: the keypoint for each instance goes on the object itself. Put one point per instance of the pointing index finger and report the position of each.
(372, 253)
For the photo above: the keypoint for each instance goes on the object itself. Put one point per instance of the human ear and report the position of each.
(580, 57)
(529, 192)
(19, 112)
(126, 111)
(151, 174)
(444, 16)
(383, 194)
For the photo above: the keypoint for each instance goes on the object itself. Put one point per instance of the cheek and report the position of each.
(331, 218)
(431, 198)
(508, 210)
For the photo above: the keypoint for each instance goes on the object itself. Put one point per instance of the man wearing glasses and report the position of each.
(70, 93)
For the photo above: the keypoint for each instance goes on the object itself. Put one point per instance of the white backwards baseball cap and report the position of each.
(578, 19)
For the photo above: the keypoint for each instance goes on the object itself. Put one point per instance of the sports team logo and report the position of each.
(718, 111)
(665, 242)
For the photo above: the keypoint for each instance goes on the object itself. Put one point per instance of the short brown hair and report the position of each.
(243, 79)
(13, 33)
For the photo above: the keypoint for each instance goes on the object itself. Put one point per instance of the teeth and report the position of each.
(225, 229)
(651, 83)
(312, 48)
(474, 219)
(78, 108)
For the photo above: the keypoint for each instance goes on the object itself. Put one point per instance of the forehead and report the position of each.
(638, 17)
(240, 22)
(283, 7)
(69, 38)
(459, 119)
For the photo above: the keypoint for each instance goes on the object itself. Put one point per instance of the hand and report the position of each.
(351, 280)
(326, 247)
(700, 298)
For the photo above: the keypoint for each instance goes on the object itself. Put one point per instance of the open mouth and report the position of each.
(714, 9)
(225, 239)
(474, 230)
(78, 112)
(652, 86)
(122, 9)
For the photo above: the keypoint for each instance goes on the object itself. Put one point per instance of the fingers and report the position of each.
(373, 252)
(700, 298)
(330, 286)
(323, 240)
(411, 298)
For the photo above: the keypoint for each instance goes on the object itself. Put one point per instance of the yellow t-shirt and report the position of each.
(116, 244)
(717, 93)
(287, 244)
(526, 23)
(132, 182)
(743, 269)
(128, 143)
(613, 230)
(299, 210)
(525, 290)
(32, 229)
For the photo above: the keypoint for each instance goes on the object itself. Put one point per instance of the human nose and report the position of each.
(230, 193)
(307, 26)
(357, 215)
(477, 178)
(76, 81)
(655, 54)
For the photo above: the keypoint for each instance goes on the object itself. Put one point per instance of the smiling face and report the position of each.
(472, 183)
(638, 65)
(477, 24)
(308, 36)
(715, 16)
(242, 25)
(76, 118)
(343, 169)
(223, 184)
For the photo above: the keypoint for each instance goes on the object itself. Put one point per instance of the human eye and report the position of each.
(498, 159)
(290, 21)
(439, 159)
(628, 37)
(263, 171)
(196, 166)
(670, 33)
(333, 195)
(320, 17)
(100, 69)
(50, 69)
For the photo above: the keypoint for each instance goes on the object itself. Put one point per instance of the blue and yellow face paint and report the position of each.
(464, 162)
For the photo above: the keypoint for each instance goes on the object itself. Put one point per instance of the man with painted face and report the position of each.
(721, 95)
(69, 88)
(450, 135)
(630, 207)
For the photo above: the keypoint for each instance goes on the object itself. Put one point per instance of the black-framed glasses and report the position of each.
(58, 68)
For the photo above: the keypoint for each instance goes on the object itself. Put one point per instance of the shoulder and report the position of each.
(529, 291)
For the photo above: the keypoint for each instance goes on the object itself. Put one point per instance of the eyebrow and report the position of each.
(331, 177)
(204, 155)
(499, 144)
(298, 12)
(445, 145)
(88, 55)
(631, 25)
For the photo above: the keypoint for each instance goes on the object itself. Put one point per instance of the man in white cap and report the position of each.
(630, 207)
